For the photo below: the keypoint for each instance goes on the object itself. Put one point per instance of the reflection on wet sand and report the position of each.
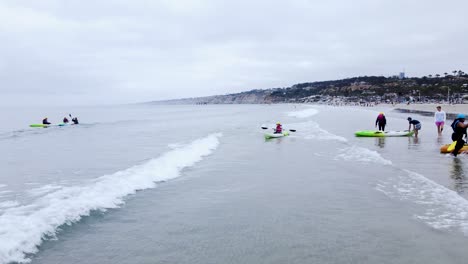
(458, 175)
(380, 141)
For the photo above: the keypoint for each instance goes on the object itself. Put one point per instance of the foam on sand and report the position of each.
(23, 228)
(443, 208)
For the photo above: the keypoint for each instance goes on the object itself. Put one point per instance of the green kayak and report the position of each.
(43, 125)
(374, 133)
(276, 135)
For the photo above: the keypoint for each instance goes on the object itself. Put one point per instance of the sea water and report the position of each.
(200, 184)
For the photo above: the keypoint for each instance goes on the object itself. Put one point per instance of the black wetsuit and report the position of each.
(45, 122)
(382, 121)
(457, 135)
(75, 121)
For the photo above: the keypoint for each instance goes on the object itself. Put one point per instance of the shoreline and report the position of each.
(451, 110)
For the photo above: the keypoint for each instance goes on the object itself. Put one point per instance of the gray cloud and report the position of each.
(128, 51)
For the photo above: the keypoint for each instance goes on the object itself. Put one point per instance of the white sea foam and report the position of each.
(360, 154)
(7, 204)
(444, 208)
(23, 228)
(312, 130)
(3, 185)
(304, 113)
(44, 190)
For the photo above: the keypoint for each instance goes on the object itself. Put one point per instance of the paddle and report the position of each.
(452, 146)
(292, 130)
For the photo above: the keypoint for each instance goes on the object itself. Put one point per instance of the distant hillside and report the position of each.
(366, 88)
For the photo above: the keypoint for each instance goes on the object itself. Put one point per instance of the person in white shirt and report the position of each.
(439, 119)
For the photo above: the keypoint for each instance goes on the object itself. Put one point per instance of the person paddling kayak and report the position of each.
(75, 120)
(279, 128)
(65, 120)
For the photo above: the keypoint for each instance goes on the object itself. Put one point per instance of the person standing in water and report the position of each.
(459, 130)
(416, 126)
(439, 119)
(381, 121)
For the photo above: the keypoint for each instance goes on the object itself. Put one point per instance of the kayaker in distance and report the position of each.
(75, 120)
(65, 120)
(381, 121)
(45, 121)
(416, 126)
(279, 128)
(459, 130)
(439, 119)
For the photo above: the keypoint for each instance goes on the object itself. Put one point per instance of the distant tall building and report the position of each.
(402, 75)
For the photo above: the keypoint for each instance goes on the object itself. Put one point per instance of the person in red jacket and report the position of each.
(279, 128)
(381, 121)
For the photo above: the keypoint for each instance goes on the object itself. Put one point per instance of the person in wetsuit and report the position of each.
(416, 126)
(459, 130)
(45, 121)
(75, 120)
(381, 121)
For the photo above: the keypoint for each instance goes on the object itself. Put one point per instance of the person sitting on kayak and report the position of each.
(65, 120)
(279, 128)
(382, 121)
(45, 121)
(75, 120)
(459, 130)
(416, 126)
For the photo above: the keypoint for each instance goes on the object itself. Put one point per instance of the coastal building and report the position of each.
(402, 75)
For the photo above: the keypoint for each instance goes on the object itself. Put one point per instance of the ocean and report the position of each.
(200, 184)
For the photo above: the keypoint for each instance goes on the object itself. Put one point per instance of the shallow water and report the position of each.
(199, 184)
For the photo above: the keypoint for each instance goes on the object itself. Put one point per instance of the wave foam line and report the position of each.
(304, 113)
(361, 154)
(445, 208)
(312, 130)
(22, 229)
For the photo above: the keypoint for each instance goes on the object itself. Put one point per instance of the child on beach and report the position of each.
(416, 126)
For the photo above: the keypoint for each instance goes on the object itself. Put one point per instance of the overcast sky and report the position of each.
(114, 51)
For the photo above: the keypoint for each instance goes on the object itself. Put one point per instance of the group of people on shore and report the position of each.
(458, 125)
(65, 120)
(381, 121)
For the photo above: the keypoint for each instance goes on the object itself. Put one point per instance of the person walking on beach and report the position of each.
(439, 119)
(416, 126)
(381, 121)
(459, 130)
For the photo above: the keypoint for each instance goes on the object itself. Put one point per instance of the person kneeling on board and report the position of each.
(416, 126)
(459, 130)
(279, 128)
(45, 121)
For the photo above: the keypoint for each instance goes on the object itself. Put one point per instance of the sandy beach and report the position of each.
(449, 109)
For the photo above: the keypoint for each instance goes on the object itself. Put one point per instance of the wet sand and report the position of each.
(431, 108)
